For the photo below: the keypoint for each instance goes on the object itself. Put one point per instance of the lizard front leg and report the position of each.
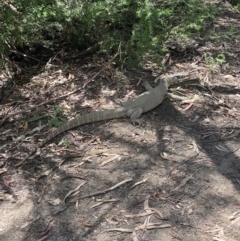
(147, 86)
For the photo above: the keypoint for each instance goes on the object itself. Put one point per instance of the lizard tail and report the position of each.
(84, 119)
(80, 120)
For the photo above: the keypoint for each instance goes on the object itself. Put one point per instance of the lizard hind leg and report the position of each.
(135, 115)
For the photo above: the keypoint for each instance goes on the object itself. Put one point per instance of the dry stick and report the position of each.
(23, 54)
(62, 96)
(106, 190)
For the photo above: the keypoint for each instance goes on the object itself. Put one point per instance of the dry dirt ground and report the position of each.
(176, 178)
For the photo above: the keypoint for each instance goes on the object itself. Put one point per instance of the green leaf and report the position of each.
(54, 122)
(221, 58)
(57, 111)
(35, 118)
(63, 119)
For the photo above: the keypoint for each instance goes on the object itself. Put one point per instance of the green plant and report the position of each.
(57, 120)
(220, 58)
(214, 62)
(64, 142)
(35, 118)
(141, 26)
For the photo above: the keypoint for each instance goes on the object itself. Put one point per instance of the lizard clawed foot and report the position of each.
(138, 122)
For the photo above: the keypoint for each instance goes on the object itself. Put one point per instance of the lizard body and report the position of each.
(133, 108)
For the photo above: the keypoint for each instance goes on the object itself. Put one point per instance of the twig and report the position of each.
(23, 54)
(106, 190)
(105, 201)
(149, 226)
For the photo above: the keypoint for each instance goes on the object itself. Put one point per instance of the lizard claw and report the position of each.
(137, 122)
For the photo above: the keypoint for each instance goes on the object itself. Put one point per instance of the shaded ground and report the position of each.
(186, 157)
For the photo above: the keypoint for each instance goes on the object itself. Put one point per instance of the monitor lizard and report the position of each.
(131, 108)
